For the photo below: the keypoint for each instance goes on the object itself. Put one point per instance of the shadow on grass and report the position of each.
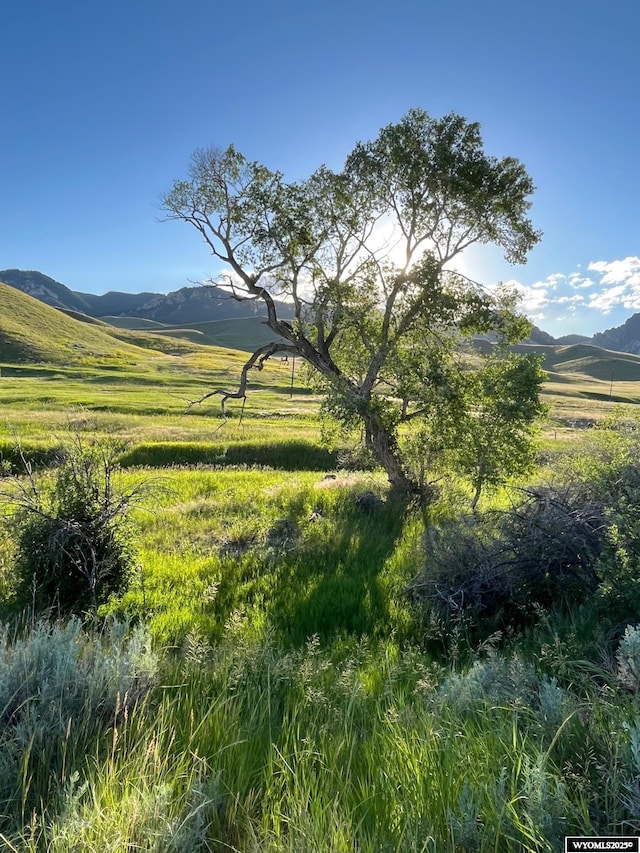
(13, 456)
(335, 584)
(282, 455)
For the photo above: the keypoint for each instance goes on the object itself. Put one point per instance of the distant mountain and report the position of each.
(58, 295)
(46, 289)
(114, 303)
(537, 336)
(187, 305)
(197, 305)
(624, 338)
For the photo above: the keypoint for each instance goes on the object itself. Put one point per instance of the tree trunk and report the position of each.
(382, 443)
(476, 497)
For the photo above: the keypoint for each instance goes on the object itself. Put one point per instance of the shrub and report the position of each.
(607, 469)
(58, 672)
(60, 688)
(628, 659)
(495, 680)
(500, 567)
(71, 532)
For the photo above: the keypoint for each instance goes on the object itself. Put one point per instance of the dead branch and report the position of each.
(255, 362)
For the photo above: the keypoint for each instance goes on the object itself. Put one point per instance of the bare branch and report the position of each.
(255, 362)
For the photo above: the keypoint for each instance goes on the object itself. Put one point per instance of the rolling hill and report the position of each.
(189, 307)
(184, 306)
(244, 333)
(586, 360)
(32, 332)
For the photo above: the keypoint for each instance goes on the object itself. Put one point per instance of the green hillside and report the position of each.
(132, 323)
(84, 318)
(246, 333)
(32, 332)
(587, 360)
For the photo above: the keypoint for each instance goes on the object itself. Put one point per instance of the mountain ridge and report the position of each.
(204, 303)
(185, 305)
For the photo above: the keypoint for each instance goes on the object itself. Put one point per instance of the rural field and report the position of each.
(291, 660)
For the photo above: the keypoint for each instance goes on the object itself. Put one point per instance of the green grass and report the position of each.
(211, 552)
(284, 454)
(151, 400)
(298, 701)
(359, 746)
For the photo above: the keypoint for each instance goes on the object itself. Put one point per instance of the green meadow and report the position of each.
(268, 680)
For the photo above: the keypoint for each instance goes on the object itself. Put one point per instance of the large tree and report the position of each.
(364, 257)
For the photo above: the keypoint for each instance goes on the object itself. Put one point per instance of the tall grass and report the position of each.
(355, 746)
(282, 453)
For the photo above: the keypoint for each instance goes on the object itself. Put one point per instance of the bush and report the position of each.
(607, 467)
(60, 688)
(628, 659)
(58, 672)
(70, 527)
(501, 567)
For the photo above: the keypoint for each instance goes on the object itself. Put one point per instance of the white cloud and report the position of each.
(568, 300)
(612, 284)
(606, 300)
(532, 298)
(617, 272)
(625, 275)
(552, 280)
(579, 282)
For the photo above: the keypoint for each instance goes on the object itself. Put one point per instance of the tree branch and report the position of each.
(256, 361)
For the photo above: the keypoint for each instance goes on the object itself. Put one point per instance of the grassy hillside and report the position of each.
(132, 323)
(245, 333)
(84, 318)
(57, 370)
(587, 360)
(53, 364)
(32, 332)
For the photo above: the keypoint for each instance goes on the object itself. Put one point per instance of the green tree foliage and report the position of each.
(486, 435)
(365, 258)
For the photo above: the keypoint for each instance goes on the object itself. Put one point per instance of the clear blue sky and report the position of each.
(102, 104)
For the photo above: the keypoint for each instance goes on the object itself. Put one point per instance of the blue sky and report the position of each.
(102, 104)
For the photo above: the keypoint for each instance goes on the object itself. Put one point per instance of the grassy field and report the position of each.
(265, 682)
